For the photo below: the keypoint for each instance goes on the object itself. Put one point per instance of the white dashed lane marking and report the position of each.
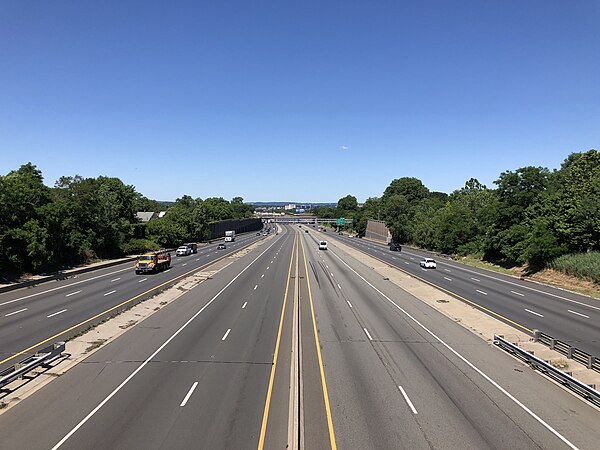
(578, 314)
(534, 313)
(56, 313)
(15, 312)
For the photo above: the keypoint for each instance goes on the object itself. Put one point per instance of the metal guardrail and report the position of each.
(590, 361)
(43, 357)
(549, 370)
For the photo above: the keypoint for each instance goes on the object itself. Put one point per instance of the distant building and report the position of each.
(289, 207)
(147, 216)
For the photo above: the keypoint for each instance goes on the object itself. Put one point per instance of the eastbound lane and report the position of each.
(564, 315)
(407, 377)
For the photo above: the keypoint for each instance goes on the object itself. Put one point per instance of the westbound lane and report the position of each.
(564, 315)
(194, 375)
(407, 377)
(29, 318)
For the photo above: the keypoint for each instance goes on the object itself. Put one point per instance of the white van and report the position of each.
(322, 245)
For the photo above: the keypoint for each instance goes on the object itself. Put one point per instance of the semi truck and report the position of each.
(153, 262)
(230, 236)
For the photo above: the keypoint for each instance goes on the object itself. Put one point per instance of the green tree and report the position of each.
(23, 237)
(347, 203)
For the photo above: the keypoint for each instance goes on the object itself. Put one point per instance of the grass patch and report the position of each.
(475, 262)
(582, 265)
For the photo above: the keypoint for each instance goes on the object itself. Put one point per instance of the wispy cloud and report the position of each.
(343, 147)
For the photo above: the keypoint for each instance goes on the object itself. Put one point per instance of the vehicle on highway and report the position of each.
(258, 234)
(221, 246)
(193, 246)
(184, 250)
(230, 236)
(306, 231)
(428, 263)
(395, 247)
(322, 245)
(153, 262)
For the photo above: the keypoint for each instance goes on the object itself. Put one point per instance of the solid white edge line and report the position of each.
(226, 334)
(189, 394)
(62, 287)
(15, 312)
(56, 313)
(534, 313)
(367, 333)
(156, 352)
(466, 361)
(578, 314)
(72, 293)
(410, 404)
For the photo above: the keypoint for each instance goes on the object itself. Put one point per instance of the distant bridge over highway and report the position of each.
(303, 219)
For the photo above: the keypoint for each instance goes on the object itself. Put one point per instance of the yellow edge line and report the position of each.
(453, 294)
(263, 428)
(318, 345)
(115, 307)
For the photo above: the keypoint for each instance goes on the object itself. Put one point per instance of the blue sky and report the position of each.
(296, 101)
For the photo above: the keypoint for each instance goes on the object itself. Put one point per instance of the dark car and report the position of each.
(193, 246)
(395, 247)
(221, 247)
(258, 234)
(306, 231)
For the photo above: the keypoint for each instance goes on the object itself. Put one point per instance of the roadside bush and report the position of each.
(583, 265)
(138, 246)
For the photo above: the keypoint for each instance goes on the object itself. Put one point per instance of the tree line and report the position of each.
(531, 217)
(80, 219)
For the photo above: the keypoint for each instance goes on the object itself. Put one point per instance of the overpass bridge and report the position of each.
(303, 219)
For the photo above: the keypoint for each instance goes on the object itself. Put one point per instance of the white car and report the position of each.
(428, 263)
(184, 250)
(323, 245)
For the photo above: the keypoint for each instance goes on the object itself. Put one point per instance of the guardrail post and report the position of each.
(590, 361)
(552, 343)
(18, 366)
(536, 335)
(570, 352)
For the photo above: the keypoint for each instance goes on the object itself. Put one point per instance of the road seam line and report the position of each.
(467, 362)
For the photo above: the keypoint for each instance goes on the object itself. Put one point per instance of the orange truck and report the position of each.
(153, 262)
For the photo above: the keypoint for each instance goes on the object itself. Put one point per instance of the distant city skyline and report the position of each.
(313, 100)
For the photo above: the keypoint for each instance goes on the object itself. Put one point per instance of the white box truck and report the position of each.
(230, 236)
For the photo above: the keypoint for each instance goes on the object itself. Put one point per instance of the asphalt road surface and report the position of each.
(564, 315)
(34, 317)
(294, 347)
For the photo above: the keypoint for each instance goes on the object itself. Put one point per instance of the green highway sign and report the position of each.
(341, 221)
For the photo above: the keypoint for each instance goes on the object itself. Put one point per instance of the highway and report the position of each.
(564, 315)
(57, 310)
(289, 346)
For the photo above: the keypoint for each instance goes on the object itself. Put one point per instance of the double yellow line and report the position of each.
(263, 429)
